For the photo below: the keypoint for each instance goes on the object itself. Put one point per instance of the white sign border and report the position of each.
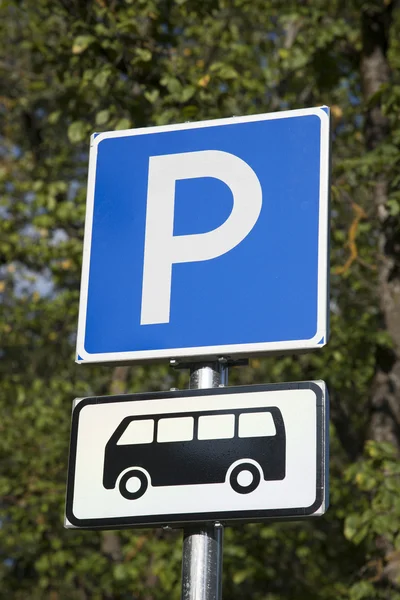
(237, 350)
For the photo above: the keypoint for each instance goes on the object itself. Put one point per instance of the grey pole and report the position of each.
(203, 544)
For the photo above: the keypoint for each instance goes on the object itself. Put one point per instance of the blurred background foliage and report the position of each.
(71, 67)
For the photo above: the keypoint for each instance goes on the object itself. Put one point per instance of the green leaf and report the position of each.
(172, 84)
(77, 132)
(361, 590)
(152, 96)
(101, 78)
(143, 54)
(123, 124)
(102, 117)
(81, 43)
(54, 117)
(187, 93)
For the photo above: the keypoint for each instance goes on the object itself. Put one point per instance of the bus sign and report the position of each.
(230, 454)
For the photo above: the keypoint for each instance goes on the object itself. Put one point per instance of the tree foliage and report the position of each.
(72, 67)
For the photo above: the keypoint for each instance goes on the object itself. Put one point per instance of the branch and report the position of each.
(351, 243)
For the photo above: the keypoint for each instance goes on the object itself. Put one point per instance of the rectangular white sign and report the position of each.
(227, 454)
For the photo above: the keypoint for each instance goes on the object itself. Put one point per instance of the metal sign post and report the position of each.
(203, 544)
(202, 562)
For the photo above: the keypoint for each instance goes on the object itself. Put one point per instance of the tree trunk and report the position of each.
(385, 399)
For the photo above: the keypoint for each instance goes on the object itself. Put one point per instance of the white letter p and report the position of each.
(162, 249)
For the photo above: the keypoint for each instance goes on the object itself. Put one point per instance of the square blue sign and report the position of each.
(207, 239)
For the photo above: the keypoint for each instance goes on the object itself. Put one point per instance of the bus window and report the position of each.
(216, 427)
(138, 432)
(257, 424)
(176, 429)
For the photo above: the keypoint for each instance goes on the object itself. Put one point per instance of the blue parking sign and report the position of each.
(207, 239)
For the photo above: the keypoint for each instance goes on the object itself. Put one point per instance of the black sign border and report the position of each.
(228, 517)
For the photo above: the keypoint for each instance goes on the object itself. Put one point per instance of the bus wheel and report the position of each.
(138, 476)
(245, 478)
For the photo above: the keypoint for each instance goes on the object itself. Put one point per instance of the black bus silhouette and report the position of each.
(196, 448)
